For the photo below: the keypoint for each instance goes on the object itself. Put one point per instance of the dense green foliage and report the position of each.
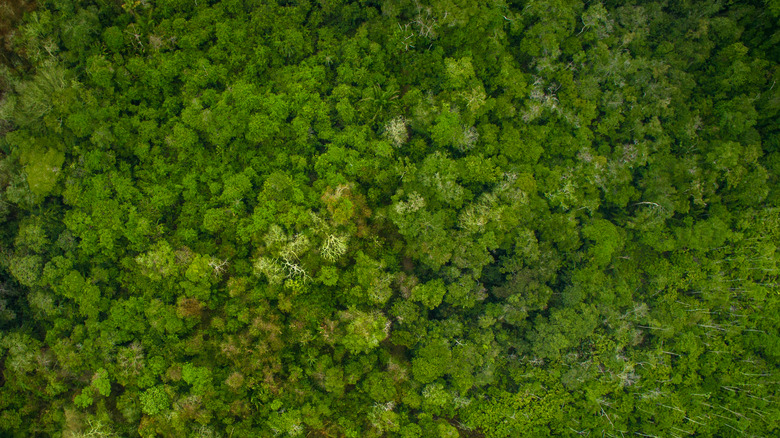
(390, 218)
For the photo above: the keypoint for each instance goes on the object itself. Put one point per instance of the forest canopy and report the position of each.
(395, 218)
